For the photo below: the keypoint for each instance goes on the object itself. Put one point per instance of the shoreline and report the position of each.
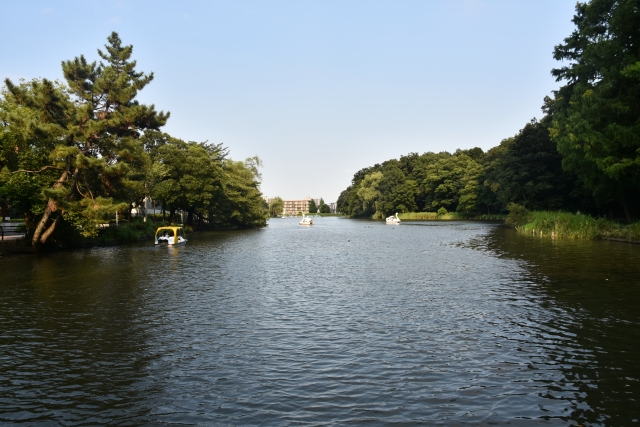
(566, 225)
(555, 225)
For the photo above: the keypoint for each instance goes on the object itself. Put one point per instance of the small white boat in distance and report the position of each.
(393, 219)
(306, 220)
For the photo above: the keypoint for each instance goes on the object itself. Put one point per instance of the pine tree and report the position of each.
(92, 126)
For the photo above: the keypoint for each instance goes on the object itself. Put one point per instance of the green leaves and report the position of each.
(276, 207)
(526, 169)
(89, 132)
(596, 115)
(78, 152)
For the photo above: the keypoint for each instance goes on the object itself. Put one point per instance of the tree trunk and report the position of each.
(28, 220)
(39, 238)
(49, 230)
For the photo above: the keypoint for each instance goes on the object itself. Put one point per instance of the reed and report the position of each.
(417, 216)
(577, 226)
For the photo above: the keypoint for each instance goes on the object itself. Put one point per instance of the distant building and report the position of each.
(149, 206)
(266, 199)
(333, 207)
(297, 206)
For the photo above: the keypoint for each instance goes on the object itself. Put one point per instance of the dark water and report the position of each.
(343, 323)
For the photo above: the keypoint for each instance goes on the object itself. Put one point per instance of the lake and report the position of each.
(347, 322)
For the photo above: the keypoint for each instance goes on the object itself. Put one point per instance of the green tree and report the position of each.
(90, 129)
(312, 206)
(450, 177)
(526, 169)
(187, 175)
(242, 205)
(369, 193)
(276, 207)
(21, 190)
(596, 114)
(324, 208)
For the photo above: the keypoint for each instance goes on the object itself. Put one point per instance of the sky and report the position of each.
(317, 89)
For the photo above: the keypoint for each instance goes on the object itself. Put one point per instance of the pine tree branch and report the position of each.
(41, 170)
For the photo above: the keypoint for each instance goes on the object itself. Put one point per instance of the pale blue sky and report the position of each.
(317, 89)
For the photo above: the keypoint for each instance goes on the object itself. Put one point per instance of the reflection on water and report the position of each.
(593, 287)
(345, 322)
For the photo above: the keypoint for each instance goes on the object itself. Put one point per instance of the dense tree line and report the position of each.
(583, 154)
(76, 152)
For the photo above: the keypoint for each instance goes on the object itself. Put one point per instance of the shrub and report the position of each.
(518, 215)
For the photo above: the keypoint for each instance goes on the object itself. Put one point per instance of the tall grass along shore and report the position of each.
(570, 225)
(449, 216)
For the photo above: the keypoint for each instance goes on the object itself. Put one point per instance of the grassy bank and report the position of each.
(450, 216)
(127, 233)
(572, 226)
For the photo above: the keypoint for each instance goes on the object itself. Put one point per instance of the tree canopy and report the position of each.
(79, 150)
(596, 114)
(583, 154)
(276, 207)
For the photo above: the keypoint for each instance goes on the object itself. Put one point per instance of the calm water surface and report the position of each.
(346, 322)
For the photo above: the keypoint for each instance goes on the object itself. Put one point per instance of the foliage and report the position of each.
(583, 154)
(418, 216)
(563, 224)
(242, 205)
(74, 153)
(312, 206)
(577, 226)
(596, 114)
(84, 135)
(276, 207)
(526, 169)
(433, 216)
(518, 215)
(414, 183)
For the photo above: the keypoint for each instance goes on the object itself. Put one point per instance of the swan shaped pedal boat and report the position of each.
(393, 219)
(170, 236)
(306, 220)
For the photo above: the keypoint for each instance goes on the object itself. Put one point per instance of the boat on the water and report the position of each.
(393, 219)
(170, 236)
(306, 220)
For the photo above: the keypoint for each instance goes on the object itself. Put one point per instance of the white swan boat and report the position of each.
(393, 219)
(306, 220)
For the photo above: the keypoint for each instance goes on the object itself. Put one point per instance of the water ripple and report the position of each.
(346, 322)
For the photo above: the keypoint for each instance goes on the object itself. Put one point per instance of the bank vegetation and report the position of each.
(576, 171)
(73, 153)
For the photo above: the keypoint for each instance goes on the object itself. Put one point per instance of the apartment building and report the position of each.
(297, 206)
